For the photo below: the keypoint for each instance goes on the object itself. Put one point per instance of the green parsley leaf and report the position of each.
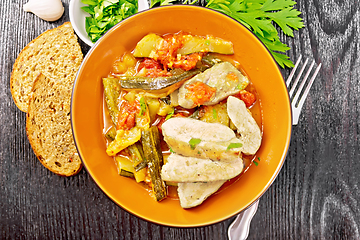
(214, 113)
(193, 142)
(89, 2)
(169, 115)
(255, 162)
(260, 16)
(88, 9)
(161, 2)
(104, 14)
(234, 145)
(172, 151)
(240, 87)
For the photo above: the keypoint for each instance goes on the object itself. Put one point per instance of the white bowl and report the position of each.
(77, 18)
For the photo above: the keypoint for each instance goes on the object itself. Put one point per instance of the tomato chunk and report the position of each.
(248, 97)
(167, 54)
(188, 62)
(126, 117)
(153, 68)
(199, 92)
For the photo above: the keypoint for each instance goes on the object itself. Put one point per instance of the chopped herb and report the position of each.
(199, 152)
(233, 145)
(207, 42)
(214, 113)
(172, 151)
(104, 14)
(161, 2)
(193, 142)
(255, 162)
(240, 87)
(142, 106)
(170, 114)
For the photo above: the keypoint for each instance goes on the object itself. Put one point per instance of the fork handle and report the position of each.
(239, 229)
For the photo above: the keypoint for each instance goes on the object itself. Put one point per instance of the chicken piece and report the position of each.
(245, 124)
(212, 86)
(191, 169)
(193, 194)
(191, 137)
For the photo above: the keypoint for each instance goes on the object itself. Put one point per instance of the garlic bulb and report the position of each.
(49, 10)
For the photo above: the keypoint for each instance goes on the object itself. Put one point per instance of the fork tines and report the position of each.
(295, 95)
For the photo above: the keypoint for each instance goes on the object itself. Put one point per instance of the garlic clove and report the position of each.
(49, 10)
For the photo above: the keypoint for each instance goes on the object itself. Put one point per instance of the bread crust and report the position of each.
(48, 127)
(41, 84)
(55, 53)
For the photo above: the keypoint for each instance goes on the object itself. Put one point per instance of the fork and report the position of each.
(296, 103)
(239, 229)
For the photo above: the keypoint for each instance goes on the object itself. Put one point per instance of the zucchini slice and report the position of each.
(111, 134)
(151, 145)
(112, 92)
(137, 156)
(123, 139)
(124, 167)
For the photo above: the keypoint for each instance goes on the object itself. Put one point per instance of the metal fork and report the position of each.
(239, 229)
(296, 103)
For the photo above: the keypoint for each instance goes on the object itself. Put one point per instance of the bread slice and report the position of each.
(48, 126)
(56, 53)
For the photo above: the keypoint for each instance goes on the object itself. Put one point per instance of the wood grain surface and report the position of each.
(315, 196)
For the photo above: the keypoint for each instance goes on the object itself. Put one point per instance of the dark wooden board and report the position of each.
(315, 196)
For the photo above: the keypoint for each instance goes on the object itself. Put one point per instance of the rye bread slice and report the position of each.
(55, 53)
(48, 126)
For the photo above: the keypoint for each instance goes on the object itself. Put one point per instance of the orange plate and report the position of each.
(87, 123)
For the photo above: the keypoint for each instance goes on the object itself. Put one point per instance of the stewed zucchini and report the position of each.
(151, 145)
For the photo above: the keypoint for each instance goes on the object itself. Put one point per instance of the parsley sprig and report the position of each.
(260, 16)
(104, 14)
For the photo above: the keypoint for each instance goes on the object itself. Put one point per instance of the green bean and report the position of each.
(157, 83)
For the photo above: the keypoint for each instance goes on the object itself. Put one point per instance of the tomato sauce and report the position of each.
(199, 92)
